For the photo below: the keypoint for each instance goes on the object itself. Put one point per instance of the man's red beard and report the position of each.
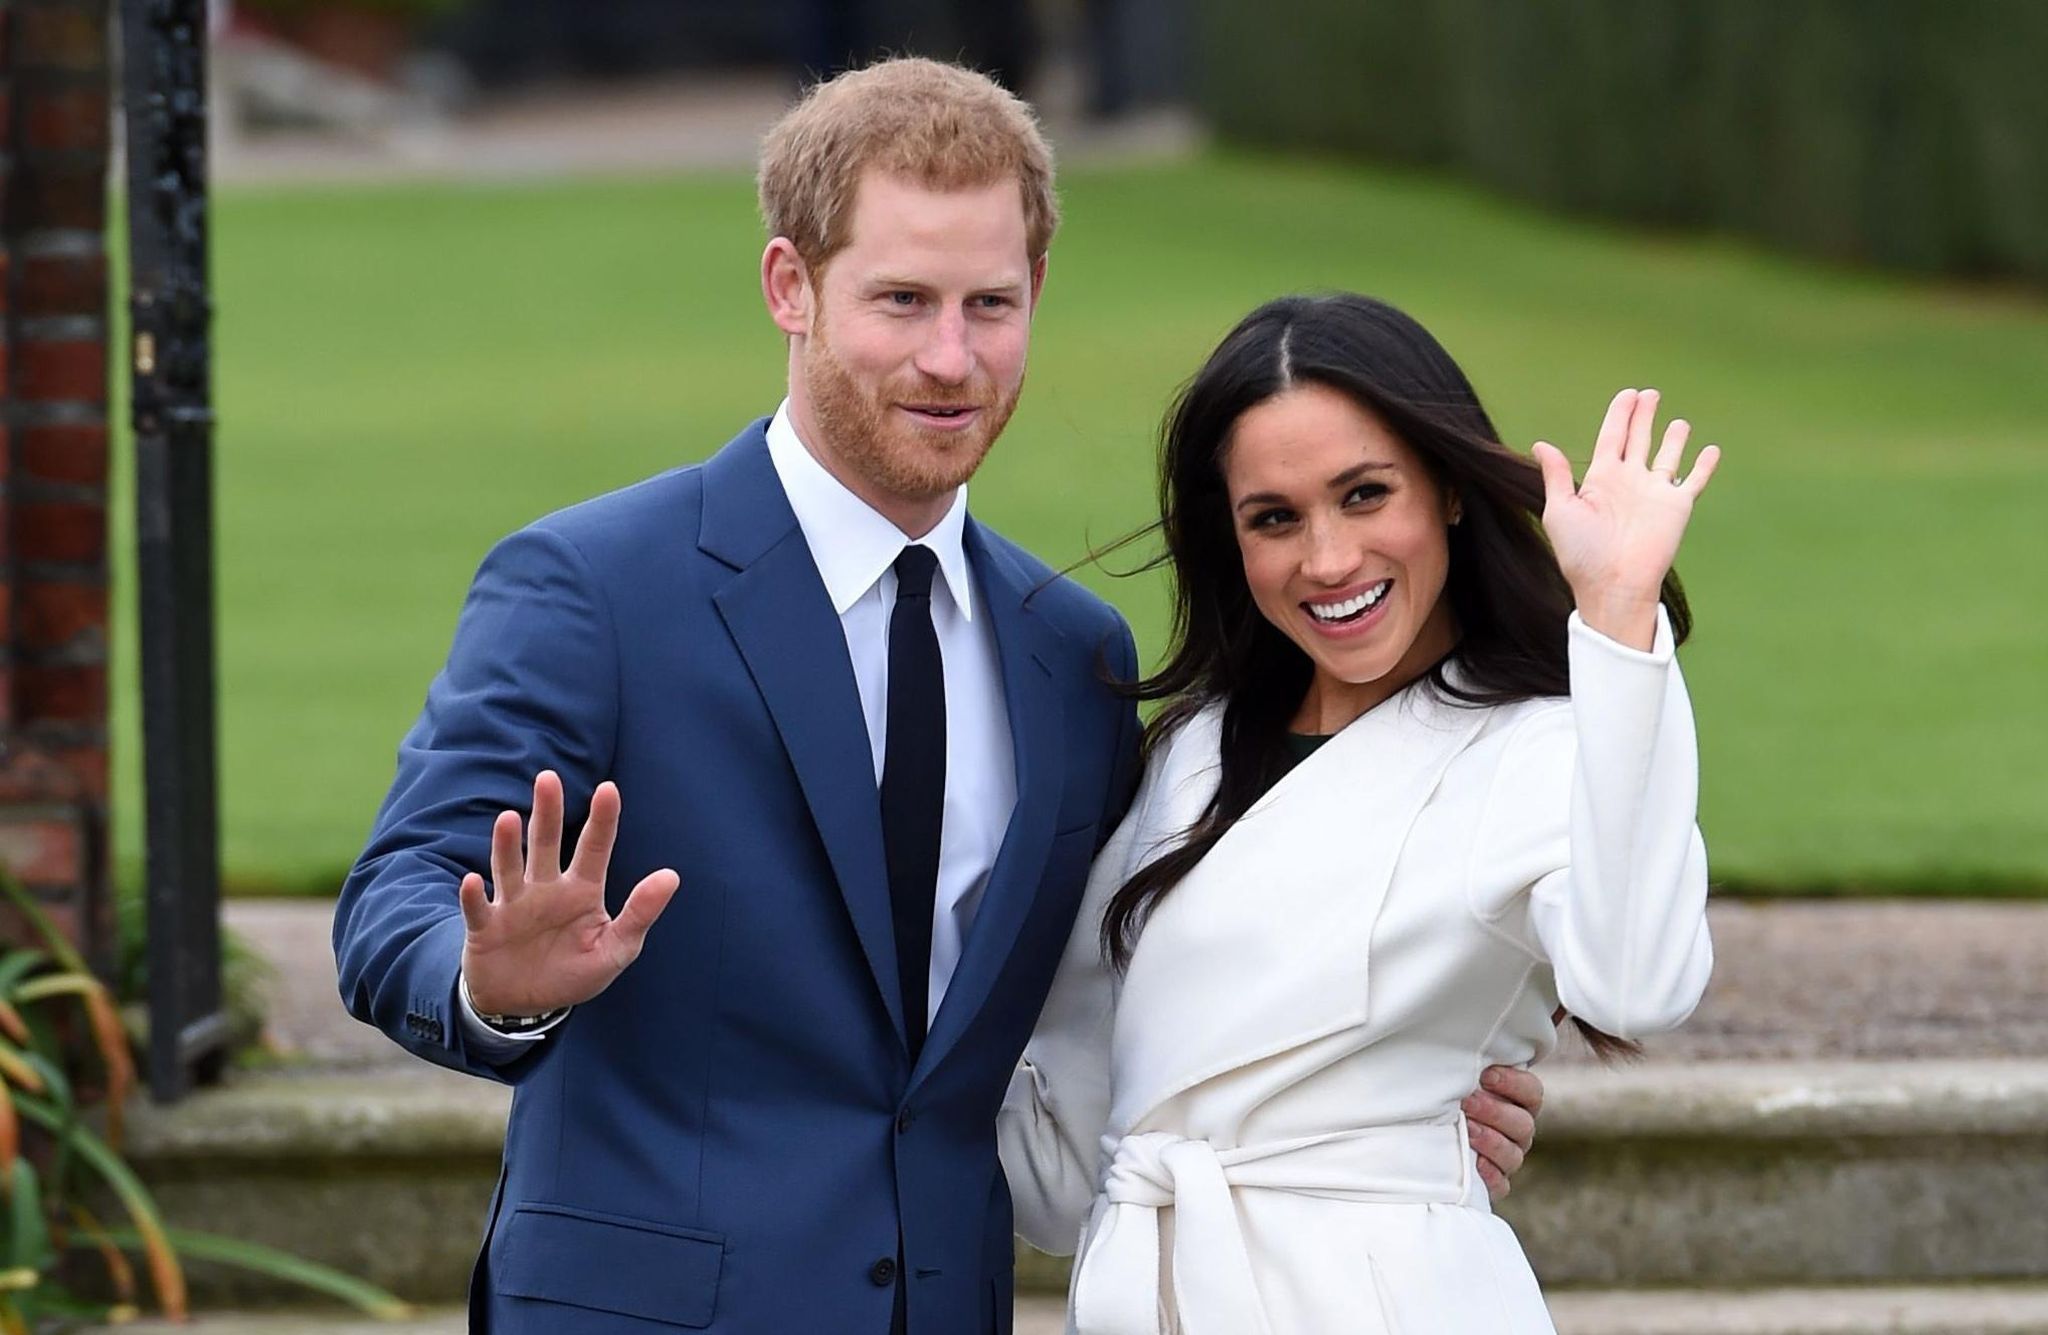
(890, 450)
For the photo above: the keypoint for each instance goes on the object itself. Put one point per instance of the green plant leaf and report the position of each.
(49, 1301)
(56, 1089)
(16, 965)
(360, 1294)
(56, 1095)
(28, 1236)
(44, 986)
(164, 1273)
(16, 1068)
(54, 941)
(109, 1039)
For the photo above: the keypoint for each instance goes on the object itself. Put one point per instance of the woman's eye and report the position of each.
(1365, 492)
(1269, 519)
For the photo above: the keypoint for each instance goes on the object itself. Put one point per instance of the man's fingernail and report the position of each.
(1491, 1080)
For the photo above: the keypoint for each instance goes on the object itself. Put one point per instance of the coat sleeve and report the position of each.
(1594, 810)
(1057, 1108)
(531, 683)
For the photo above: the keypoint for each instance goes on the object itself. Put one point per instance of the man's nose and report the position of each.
(947, 356)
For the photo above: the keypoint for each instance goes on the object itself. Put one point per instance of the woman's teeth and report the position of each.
(1350, 608)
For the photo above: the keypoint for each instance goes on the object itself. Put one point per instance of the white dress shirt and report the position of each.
(855, 548)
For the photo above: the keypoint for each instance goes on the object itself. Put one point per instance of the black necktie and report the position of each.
(914, 781)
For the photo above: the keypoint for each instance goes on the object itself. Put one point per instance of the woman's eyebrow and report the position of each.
(1262, 498)
(1357, 471)
(1343, 479)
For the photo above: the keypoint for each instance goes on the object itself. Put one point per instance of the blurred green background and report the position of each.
(405, 373)
(1907, 133)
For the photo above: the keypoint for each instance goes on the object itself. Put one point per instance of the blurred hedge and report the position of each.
(1901, 132)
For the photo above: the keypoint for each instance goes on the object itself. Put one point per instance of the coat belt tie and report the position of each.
(1116, 1279)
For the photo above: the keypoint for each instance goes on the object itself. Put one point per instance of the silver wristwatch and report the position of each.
(511, 1024)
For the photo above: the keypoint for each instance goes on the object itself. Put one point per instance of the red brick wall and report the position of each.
(54, 125)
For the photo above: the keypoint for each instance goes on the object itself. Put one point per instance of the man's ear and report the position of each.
(786, 287)
(1038, 279)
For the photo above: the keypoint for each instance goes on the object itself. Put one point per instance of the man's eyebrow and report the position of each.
(892, 283)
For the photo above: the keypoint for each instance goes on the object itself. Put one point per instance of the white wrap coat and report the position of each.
(1256, 1131)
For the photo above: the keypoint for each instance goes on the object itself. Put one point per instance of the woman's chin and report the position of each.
(1359, 669)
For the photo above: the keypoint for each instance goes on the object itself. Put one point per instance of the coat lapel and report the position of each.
(782, 620)
(1266, 945)
(1032, 702)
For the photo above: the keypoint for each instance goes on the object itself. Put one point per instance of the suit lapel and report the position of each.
(1032, 702)
(782, 621)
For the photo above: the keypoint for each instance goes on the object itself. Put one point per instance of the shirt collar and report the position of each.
(851, 542)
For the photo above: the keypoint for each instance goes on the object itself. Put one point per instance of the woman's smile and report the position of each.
(1349, 613)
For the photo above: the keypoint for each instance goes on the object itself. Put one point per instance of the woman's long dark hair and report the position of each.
(1508, 596)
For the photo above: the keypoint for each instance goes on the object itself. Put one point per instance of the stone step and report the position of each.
(1734, 1175)
(1978, 1310)
(1974, 1310)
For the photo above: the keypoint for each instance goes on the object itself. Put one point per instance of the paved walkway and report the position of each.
(1854, 979)
(703, 122)
(1979, 1310)
(1035, 1316)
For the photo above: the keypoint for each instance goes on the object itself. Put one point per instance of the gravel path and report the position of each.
(1856, 979)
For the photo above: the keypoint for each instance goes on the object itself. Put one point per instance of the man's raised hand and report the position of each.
(546, 939)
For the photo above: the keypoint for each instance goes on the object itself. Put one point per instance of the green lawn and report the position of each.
(406, 373)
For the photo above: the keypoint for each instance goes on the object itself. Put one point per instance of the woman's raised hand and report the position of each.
(545, 940)
(1617, 532)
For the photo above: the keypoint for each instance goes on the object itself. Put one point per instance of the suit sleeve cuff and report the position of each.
(494, 1045)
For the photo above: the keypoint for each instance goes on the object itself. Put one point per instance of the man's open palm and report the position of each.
(546, 939)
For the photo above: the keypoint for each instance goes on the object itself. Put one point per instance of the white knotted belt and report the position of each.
(1116, 1279)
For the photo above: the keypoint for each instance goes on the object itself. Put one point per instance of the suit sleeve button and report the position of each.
(883, 1272)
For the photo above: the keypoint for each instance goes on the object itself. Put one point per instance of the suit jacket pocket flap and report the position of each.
(608, 1263)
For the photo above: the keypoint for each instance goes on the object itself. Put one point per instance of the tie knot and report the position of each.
(914, 569)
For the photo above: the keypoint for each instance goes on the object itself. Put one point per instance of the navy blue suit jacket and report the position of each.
(731, 1137)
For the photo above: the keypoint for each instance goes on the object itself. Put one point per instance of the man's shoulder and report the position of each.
(626, 514)
(1062, 600)
(612, 540)
(655, 514)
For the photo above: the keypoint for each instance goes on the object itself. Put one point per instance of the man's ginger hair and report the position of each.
(936, 125)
